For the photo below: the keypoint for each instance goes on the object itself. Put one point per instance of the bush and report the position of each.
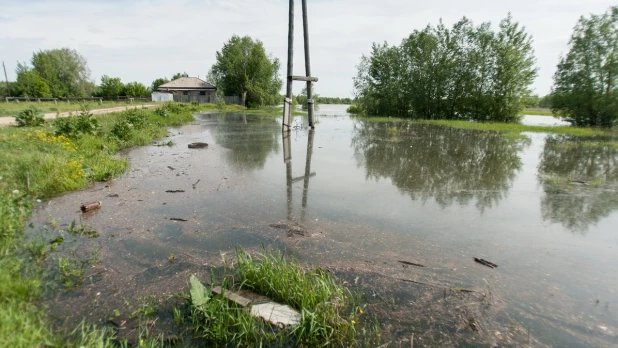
(354, 109)
(31, 117)
(136, 117)
(161, 112)
(122, 129)
(75, 126)
(220, 103)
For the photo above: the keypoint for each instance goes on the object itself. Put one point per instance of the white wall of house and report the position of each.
(162, 97)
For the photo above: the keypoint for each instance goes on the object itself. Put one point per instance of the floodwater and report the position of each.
(544, 208)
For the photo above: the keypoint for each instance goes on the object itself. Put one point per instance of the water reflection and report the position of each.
(446, 164)
(250, 138)
(577, 177)
(287, 159)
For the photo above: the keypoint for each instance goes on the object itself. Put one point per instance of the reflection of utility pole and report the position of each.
(287, 158)
(287, 105)
(307, 173)
(8, 88)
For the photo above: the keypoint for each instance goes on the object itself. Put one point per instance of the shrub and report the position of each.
(136, 117)
(220, 103)
(31, 117)
(161, 112)
(75, 126)
(354, 109)
(122, 129)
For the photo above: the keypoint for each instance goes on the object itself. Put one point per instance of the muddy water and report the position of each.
(366, 195)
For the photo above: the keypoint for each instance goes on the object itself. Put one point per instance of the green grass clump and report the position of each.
(329, 311)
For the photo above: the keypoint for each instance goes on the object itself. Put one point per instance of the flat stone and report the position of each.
(239, 300)
(276, 313)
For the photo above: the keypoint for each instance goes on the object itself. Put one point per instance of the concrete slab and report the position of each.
(276, 313)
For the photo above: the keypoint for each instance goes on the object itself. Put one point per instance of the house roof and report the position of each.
(187, 83)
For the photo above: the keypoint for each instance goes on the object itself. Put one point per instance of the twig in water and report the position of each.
(197, 182)
(486, 263)
(178, 219)
(411, 263)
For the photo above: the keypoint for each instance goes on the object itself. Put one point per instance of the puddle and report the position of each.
(358, 197)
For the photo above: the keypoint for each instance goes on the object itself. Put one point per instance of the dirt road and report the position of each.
(6, 121)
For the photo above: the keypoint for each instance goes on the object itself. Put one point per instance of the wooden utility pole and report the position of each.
(8, 87)
(287, 105)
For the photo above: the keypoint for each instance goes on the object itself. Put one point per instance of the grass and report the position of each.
(537, 112)
(13, 108)
(330, 313)
(502, 127)
(519, 128)
(37, 163)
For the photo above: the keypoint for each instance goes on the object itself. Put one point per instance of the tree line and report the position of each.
(465, 72)
(475, 73)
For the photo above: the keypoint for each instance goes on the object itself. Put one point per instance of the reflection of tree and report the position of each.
(565, 165)
(250, 138)
(447, 164)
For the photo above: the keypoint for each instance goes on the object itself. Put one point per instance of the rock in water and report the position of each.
(198, 145)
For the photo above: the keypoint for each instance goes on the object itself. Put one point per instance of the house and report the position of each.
(190, 90)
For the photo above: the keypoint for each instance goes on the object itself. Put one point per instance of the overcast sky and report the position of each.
(142, 40)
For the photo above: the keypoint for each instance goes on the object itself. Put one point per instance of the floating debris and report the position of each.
(90, 206)
(486, 263)
(411, 263)
(198, 145)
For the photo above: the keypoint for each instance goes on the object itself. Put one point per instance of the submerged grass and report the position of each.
(38, 163)
(329, 312)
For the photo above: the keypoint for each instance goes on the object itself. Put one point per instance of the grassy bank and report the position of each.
(537, 112)
(502, 127)
(13, 108)
(40, 163)
(519, 128)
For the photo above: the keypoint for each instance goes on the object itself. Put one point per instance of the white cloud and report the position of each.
(143, 40)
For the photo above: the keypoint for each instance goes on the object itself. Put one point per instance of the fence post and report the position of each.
(56, 101)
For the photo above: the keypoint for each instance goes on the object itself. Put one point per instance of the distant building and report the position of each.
(190, 89)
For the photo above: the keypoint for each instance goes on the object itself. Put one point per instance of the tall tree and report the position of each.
(158, 82)
(30, 84)
(464, 72)
(243, 66)
(65, 71)
(586, 82)
(110, 87)
(179, 75)
(135, 89)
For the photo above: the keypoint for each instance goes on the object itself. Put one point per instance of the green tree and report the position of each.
(110, 87)
(30, 84)
(65, 71)
(179, 75)
(464, 72)
(241, 66)
(135, 89)
(158, 82)
(585, 89)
